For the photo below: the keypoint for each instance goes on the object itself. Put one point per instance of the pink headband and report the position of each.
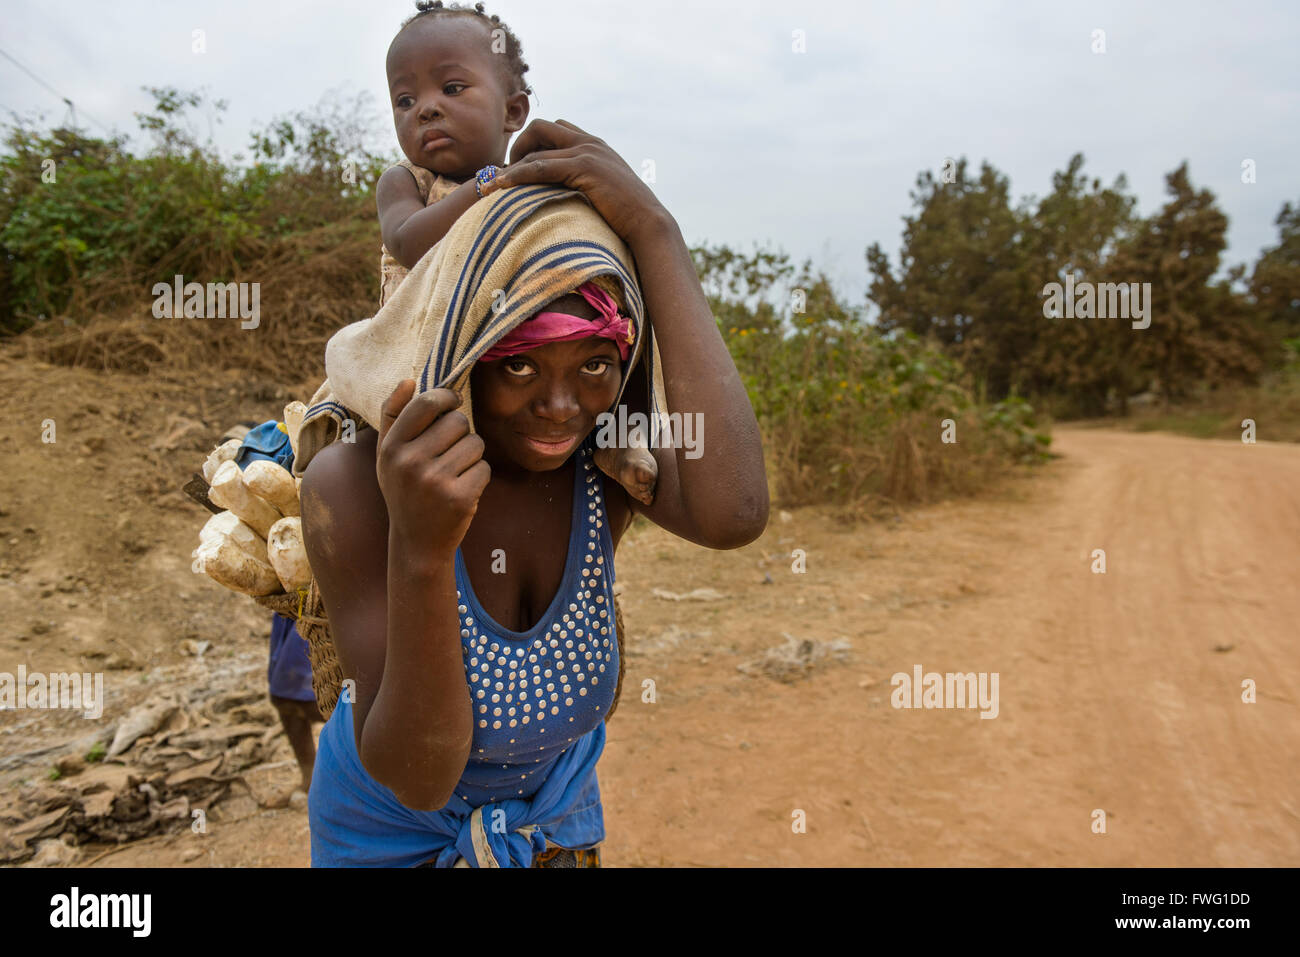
(546, 327)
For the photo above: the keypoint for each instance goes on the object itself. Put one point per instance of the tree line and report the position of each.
(976, 274)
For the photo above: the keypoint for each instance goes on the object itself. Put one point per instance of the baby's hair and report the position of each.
(515, 67)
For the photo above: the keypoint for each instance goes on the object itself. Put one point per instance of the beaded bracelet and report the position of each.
(483, 177)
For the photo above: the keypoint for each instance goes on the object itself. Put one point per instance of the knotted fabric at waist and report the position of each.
(358, 822)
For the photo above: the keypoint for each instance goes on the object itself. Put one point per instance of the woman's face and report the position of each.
(533, 409)
(443, 79)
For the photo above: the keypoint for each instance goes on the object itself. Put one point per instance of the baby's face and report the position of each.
(445, 81)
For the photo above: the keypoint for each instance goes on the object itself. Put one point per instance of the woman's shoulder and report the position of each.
(343, 509)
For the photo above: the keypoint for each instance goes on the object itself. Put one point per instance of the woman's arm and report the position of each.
(390, 594)
(409, 228)
(715, 495)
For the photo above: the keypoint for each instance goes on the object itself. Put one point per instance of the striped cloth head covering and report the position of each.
(502, 261)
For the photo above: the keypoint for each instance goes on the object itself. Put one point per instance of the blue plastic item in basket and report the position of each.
(269, 441)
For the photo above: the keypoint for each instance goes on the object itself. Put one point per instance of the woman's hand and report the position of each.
(430, 468)
(561, 153)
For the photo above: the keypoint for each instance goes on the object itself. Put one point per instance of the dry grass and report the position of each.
(904, 464)
(1274, 405)
(310, 286)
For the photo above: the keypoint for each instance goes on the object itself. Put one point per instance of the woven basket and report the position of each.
(307, 610)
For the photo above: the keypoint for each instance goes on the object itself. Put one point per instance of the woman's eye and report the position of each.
(509, 365)
(603, 363)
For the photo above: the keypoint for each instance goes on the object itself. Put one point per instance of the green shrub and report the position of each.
(97, 228)
(846, 412)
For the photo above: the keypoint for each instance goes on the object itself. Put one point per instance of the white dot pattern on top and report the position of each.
(536, 692)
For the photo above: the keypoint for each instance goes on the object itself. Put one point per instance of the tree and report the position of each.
(1076, 230)
(1275, 284)
(1200, 332)
(962, 276)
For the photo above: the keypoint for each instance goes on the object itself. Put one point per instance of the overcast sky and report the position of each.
(812, 152)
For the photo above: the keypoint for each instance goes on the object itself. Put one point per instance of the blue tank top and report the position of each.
(539, 697)
(535, 692)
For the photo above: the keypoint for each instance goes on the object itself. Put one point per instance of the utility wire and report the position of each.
(65, 99)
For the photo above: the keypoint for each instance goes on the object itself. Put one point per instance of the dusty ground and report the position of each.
(1119, 691)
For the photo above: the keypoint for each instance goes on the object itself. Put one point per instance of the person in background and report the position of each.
(288, 677)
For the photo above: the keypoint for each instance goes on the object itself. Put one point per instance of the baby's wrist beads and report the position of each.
(483, 177)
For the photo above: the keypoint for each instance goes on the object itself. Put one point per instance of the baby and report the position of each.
(455, 79)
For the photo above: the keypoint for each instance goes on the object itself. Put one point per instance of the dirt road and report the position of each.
(1118, 692)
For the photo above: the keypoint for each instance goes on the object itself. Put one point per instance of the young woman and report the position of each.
(467, 576)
